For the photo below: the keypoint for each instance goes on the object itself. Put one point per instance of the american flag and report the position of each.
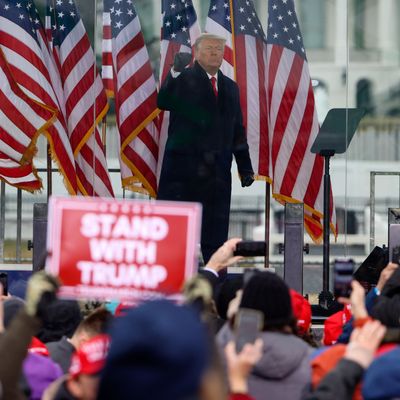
(84, 96)
(245, 61)
(135, 93)
(23, 47)
(21, 176)
(106, 52)
(179, 31)
(293, 122)
(21, 119)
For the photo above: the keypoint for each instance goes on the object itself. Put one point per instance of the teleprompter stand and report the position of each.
(334, 137)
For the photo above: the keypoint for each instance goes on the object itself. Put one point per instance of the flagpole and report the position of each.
(267, 232)
(267, 224)
(49, 173)
(93, 136)
(49, 165)
(104, 134)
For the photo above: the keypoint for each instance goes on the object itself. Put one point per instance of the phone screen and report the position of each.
(343, 275)
(396, 255)
(248, 324)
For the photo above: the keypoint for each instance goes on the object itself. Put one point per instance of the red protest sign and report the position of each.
(121, 250)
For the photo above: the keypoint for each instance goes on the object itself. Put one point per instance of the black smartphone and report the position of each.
(248, 323)
(4, 282)
(370, 269)
(249, 248)
(395, 255)
(343, 275)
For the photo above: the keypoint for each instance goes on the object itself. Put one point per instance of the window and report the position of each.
(145, 10)
(312, 14)
(359, 23)
(321, 96)
(364, 95)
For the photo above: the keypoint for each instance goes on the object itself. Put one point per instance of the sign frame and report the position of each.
(62, 211)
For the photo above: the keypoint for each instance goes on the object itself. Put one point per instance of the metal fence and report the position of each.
(376, 139)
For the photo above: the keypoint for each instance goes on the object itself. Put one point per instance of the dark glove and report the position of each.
(181, 60)
(246, 180)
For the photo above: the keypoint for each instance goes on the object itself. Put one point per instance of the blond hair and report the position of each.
(211, 36)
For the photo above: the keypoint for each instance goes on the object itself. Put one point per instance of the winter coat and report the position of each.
(382, 378)
(204, 133)
(61, 352)
(283, 371)
(40, 371)
(14, 344)
(340, 383)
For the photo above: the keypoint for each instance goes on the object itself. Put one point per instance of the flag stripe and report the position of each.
(248, 56)
(20, 42)
(175, 37)
(135, 96)
(297, 173)
(85, 98)
(263, 143)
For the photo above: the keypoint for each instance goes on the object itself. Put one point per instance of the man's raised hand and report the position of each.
(181, 61)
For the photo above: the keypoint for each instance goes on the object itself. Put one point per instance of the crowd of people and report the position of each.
(166, 350)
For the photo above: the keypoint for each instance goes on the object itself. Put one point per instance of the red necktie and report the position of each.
(214, 85)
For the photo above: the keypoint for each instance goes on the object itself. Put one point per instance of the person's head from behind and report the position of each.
(158, 351)
(86, 365)
(209, 52)
(62, 317)
(11, 308)
(94, 324)
(268, 293)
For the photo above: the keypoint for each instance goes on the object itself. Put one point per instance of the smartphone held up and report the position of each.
(248, 324)
(342, 277)
(250, 248)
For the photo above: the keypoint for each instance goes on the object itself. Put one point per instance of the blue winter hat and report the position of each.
(158, 351)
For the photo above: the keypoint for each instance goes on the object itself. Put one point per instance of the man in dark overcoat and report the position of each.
(205, 131)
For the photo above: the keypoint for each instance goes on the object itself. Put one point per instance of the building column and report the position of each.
(341, 30)
(388, 32)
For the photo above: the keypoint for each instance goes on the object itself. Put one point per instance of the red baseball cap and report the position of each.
(38, 347)
(301, 310)
(333, 325)
(89, 359)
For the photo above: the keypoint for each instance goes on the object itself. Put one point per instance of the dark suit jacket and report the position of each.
(204, 134)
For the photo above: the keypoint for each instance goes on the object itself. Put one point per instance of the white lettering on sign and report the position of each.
(143, 276)
(123, 226)
(123, 250)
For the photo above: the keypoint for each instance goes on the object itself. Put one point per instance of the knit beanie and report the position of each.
(62, 317)
(158, 351)
(268, 293)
